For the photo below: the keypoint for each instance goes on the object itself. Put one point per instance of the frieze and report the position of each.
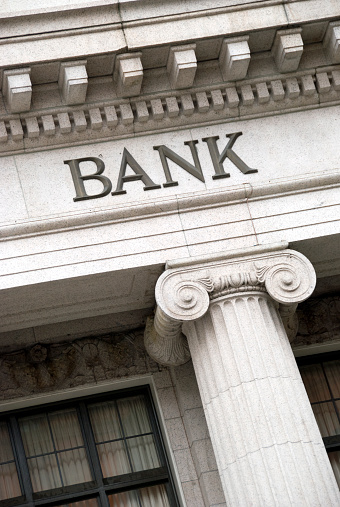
(47, 367)
(165, 153)
(319, 321)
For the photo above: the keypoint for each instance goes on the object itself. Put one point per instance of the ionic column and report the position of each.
(267, 444)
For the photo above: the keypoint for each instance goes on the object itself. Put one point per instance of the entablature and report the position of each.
(86, 78)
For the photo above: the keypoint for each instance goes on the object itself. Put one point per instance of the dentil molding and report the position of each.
(184, 293)
(167, 110)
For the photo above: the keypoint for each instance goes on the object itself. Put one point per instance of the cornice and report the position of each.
(165, 111)
(137, 67)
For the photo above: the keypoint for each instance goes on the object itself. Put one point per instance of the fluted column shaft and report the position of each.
(267, 444)
(266, 441)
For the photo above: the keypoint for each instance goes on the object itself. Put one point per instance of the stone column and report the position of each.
(267, 444)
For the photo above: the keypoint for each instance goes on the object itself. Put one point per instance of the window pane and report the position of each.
(126, 499)
(143, 453)
(113, 459)
(6, 453)
(326, 418)
(66, 429)
(332, 370)
(154, 496)
(334, 458)
(315, 383)
(9, 482)
(74, 467)
(36, 435)
(134, 415)
(105, 422)
(45, 434)
(91, 502)
(44, 473)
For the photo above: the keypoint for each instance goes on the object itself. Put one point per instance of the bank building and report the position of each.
(169, 253)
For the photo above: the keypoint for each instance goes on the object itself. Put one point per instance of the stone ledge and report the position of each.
(162, 112)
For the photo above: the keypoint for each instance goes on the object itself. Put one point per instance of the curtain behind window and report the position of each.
(322, 383)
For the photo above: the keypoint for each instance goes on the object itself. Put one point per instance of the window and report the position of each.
(321, 376)
(92, 452)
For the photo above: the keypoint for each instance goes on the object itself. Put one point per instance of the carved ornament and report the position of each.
(184, 293)
(47, 367)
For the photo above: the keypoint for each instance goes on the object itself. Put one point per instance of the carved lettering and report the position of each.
(194, 170)
(140, 174)
(218, 158)
(165, 154)
(78, 178)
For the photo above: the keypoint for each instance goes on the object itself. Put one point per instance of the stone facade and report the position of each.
(169, 193)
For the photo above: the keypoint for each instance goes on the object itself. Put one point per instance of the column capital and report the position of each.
(184, 291)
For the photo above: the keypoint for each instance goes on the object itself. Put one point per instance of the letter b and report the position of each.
(78, 179)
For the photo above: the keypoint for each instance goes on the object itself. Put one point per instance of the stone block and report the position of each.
(126, 114)
(3, 132)
(211, 488)
(111, 116)
(195, 424)
(262, 93)
(80, 123)
(17, 89)
(202, 102)
(142, 111)
(187, 104)
(96, 118)
(278, 92)
(287, 49)
(203, 456)
(176, 433)
(187, 392)
(128, 74)
(48, 124)
(247, 95)
(193, 494)
(168, 403)
(234, 58)
(185, 465)
(157, 109)
(331, 42)
(16, 129)
(322, 82)
(172, 106)
(73, 82)
(162, 379)
(293, 89)
(336, 79)
(182, 66)
(307, 85)
(217, 100)
(64, 123)
(232, 97)
(32, 127)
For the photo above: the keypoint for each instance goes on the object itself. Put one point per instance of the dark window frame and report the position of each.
(331, 443)
(100, 487)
